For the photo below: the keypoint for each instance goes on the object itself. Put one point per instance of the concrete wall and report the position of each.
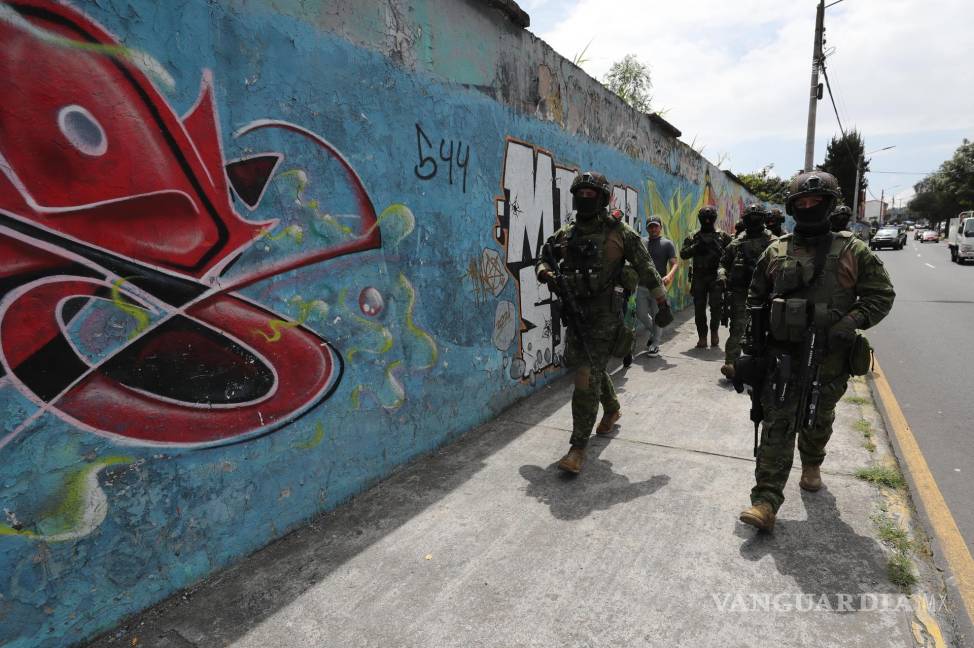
(254, 254)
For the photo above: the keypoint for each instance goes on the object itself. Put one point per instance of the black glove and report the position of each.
(664, 317)
(843, 333)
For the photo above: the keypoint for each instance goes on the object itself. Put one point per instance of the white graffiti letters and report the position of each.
(536, 202)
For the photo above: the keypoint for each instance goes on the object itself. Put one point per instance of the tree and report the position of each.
(629, 78)
(841, 157)
(949, 190)
(767, 187)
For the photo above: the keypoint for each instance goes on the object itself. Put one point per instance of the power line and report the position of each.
(828, 86)
(904, 172)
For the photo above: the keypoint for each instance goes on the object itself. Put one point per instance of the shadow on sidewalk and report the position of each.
(597, 488)
(823, 554)
(228, 604)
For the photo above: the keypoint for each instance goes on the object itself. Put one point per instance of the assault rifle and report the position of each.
(811, 378)
(751, 369)
(571, 314)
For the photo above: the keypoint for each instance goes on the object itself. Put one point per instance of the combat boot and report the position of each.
(811, 480)
(760, 515)
(714, 339)
(702, 342)
(728, 371)
(573, 460)
(608, 421)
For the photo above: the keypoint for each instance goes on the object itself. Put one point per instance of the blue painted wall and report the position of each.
(425, 330)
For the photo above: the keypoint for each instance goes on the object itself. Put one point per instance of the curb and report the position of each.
(952, 554)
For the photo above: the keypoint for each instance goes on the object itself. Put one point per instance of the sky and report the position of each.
(734, 76)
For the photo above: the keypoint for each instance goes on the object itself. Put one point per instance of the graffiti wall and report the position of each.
(242, 278)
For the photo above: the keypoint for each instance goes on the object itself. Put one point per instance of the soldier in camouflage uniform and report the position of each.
(839, 219)
(776, 222)
(736, 268)
(844, 287)
(591, 251)
(705, 247)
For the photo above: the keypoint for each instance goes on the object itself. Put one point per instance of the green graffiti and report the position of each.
(393, 384)
(140, 59)
(411, 325)
(80, 509)
(315, 440)
(397, 222)
(294, 231)
(278, 325)
(141, 317)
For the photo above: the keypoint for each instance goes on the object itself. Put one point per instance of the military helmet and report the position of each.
(754, 215)
(812, 183)
(709, 211)
(592, 180)
(840, 218)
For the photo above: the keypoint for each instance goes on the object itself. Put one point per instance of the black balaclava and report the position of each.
(839, 221)
(754, 223)
(813, 221)
(587, 208)
(707, 221)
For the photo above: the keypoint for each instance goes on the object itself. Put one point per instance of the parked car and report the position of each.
(930, 236)
(886, 237)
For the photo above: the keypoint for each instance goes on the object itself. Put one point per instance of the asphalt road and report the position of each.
(926, 347)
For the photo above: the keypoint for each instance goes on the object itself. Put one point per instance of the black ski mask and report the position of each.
(812, 221)
(587, 207)
(754, 224)
(707, 222)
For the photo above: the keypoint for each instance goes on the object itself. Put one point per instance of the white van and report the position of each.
(960, 237)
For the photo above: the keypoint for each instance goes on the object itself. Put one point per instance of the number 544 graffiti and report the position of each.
(428, 167)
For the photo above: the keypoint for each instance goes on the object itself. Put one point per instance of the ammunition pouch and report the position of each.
(750, 371)
(860, 356)
(622, 344)
(788, 320)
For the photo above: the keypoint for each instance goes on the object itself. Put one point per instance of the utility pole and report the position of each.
(815, 91)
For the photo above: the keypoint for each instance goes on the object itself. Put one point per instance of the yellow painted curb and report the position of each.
(955, 549)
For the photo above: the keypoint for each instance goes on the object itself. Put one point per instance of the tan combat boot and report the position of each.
(572, 462)
(714, 339)
(728, 371)
(702, 342)
(760, 515)
(608, 421)
(811, 478)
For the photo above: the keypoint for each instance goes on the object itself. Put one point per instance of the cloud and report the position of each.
(735, 74)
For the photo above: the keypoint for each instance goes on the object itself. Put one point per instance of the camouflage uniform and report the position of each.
(705, 248)
(614, 243)
(854, 284)
(736, 268)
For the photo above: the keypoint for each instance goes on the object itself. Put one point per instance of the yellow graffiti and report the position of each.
(395, 386)
(294, 231)
(81, 508)
(278, 325)
(411, 326)
(140, 59)
(141, 318)
(400, 212)
(315, 440)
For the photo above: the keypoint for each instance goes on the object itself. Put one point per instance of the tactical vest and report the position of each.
(706, 259)
(799, 298)
(746, 259)
(587, 270)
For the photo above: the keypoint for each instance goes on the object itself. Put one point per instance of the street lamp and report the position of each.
(855, 196)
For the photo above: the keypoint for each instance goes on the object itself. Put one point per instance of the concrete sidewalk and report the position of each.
(486, 543)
